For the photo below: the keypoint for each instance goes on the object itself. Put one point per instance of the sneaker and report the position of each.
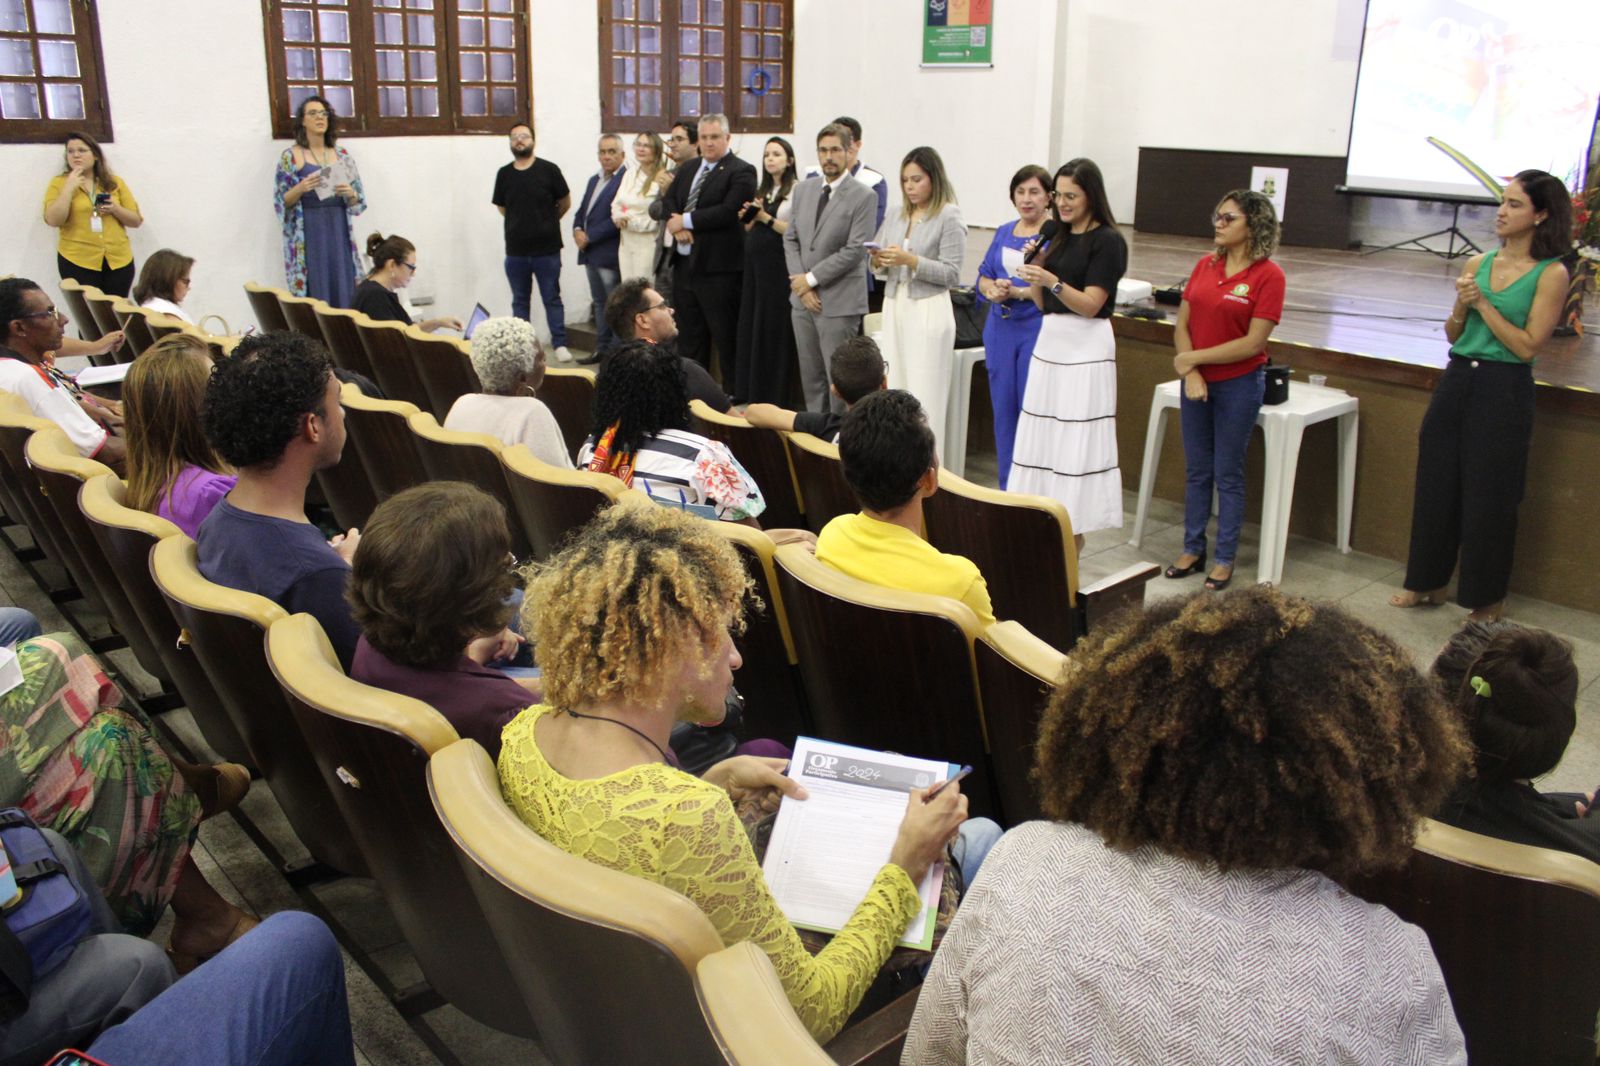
(562, 355)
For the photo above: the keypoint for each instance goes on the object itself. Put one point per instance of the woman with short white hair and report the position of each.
(510, 363)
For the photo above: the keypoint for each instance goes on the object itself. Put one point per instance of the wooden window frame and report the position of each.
(365, 81)
(733, 87)
(91, 67)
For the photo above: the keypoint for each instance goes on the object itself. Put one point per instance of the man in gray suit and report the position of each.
(833, 216)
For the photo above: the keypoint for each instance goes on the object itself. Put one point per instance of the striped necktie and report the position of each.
(694, 190)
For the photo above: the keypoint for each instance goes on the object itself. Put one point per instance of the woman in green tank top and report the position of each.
(1472, 457)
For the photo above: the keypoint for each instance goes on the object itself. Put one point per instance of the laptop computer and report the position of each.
(474, 320)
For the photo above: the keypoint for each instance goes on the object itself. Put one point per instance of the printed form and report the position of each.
(826, 850)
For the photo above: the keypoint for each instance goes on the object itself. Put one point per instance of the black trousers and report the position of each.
(1472, 465)
(707, 309)
(112, 282)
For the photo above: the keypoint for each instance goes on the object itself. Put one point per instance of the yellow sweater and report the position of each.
(78, 243)
(659, 823)
(886, 554)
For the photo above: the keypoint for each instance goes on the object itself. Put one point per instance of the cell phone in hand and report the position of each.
(102, 198)
(872, 246)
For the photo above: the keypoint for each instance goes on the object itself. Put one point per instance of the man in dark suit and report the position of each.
(598, 239)
(703, 204)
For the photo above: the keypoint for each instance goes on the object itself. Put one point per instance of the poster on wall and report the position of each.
(1273, 183)
(958, 33)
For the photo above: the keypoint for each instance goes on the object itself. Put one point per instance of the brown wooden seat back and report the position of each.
(102, 310)
(769, 680)
(1023, 547)
(74, 294)
(135, 328)
(449, 455)
(604, 960)
(372, 748)
(569, 393)
(548, 503)
(380, 430)
(227, 630)
(166, 326)
(341, 332)
(126, 537)
(824, 493)
(887, 669)
(300, 312)
(763, 455)
(1516, 930)
(444, 366)
(347, 488)
(61, 473)
(264, 304)
(385, 345)
(21, 489)
(1016, 674)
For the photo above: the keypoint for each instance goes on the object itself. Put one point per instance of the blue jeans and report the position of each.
(276, 995)
(17, 625)
(976, 839)
(601, 281)
(1007, 352)
(1216, 432)
(521, 270)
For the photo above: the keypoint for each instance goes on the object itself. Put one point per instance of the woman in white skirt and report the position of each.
(1067, 433)
(923, 245)
(630, 210)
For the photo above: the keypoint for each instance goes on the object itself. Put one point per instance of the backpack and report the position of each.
(50, 916)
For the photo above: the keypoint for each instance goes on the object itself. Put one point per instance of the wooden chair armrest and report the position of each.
(1123, 589)
(877, 1039)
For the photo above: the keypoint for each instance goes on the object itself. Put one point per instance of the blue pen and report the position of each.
(936, 789)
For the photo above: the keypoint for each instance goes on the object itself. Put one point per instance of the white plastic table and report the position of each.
(1282, 427)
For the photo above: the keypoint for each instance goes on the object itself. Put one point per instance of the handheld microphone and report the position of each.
(1047, 233)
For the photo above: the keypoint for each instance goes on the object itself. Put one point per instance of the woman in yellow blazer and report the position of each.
(94, 210)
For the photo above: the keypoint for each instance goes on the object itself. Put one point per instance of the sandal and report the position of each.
(1217, 584)
(184, 963)
(220, 787)
(1175, 571)
(1409, 598)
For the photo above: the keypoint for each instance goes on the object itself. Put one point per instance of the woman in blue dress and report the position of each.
(1013, 322)
(316, 193)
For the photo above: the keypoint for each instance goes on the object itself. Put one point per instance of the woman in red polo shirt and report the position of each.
(1232, 301)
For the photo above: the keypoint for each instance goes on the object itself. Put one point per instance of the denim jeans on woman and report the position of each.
(1216, 432)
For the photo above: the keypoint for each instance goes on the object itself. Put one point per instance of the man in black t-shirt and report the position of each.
(533, 197)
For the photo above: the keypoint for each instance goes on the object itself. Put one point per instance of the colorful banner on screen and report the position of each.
(958, 33)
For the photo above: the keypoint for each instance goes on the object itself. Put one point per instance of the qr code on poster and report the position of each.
(980, 36)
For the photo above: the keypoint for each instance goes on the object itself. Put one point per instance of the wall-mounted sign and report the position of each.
(958, 33)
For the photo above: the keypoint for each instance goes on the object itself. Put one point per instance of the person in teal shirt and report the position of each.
(1472, 457)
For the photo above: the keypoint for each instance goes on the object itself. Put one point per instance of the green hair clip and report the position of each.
(1481, 687)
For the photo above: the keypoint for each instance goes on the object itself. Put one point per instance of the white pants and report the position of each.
(919, 341)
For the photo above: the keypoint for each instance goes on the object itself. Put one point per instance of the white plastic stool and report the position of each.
(1282, 426)
(955, 416)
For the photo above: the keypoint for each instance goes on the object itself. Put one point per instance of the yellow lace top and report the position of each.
(659, 823)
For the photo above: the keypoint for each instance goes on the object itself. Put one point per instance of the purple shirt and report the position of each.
(194, 492)
(477, 700)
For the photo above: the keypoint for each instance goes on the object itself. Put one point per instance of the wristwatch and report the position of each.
(1055, 290)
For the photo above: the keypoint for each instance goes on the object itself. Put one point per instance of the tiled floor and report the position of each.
(240, 870)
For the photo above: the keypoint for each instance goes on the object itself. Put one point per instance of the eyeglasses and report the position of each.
(664, 304)
(316, 114)
(410, 266)
(49, 312)
(1224, 218)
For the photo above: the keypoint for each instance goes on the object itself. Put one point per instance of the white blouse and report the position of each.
(166, 307)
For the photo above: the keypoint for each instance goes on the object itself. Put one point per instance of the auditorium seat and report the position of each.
(444, 366)
(100, 309)
(300, 312)
(74, 294)
(135, 328)
(549, 502)
(1023, 546)
(605, 961)
(887, 669)
(126, 537)
(17, 424)
(264, 303)
(372, 747)
(569, 393)
(824, 493)
(450, 455)
(61, 473)
(385, 345)
(1016, 674)
(347, 488)
(380, 431)
(340, 331)
(763, 455)
(166, 325)
(227, 630)
(1516, 930)
(769, 680)
(753, 1024)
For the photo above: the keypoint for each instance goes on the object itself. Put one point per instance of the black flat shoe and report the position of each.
(1217, 584)
(1184, 571)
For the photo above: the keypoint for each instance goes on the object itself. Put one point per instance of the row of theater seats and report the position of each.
(96, 313)
(395, 794)
(514, 932)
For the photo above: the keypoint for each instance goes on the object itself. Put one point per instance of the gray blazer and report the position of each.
(940, 245)
(831, 247)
